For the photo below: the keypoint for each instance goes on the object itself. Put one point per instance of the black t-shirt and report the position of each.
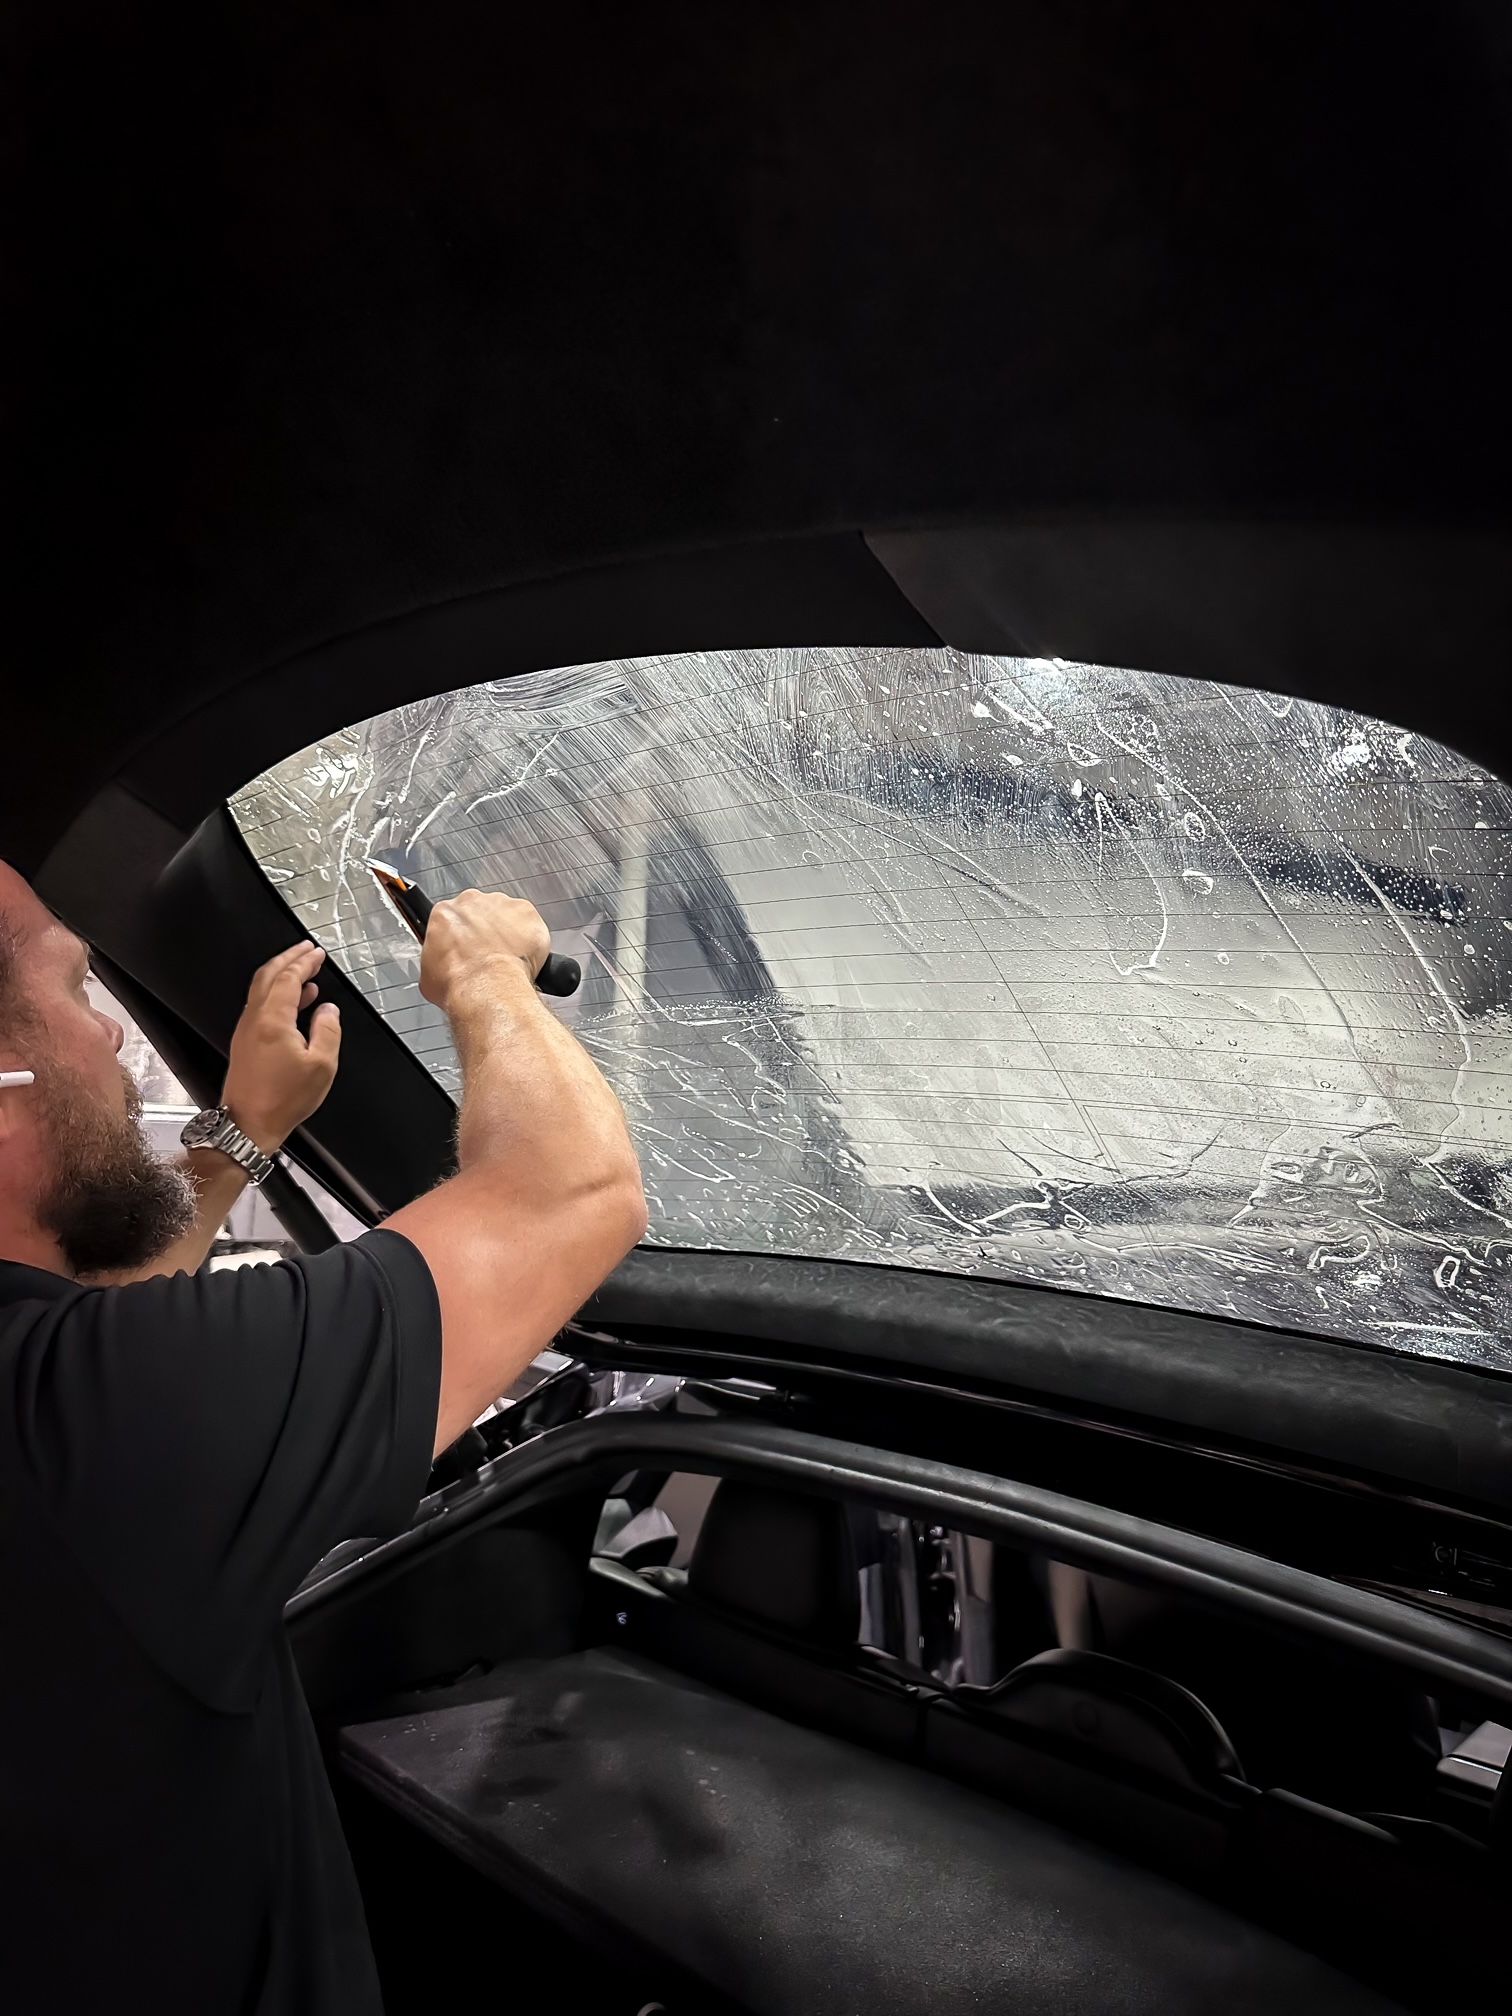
(175, 1456)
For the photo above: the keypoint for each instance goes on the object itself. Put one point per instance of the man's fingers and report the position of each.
(281, 980)
(276, 1075)
(325, 1033)
(266, 979)
(270, 968)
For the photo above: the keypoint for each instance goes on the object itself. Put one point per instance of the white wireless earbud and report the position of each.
(9, 1078)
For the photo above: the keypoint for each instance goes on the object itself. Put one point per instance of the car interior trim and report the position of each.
(1210, 1572)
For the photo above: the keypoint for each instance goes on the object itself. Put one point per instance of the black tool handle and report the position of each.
(414, 906)
(558, 975)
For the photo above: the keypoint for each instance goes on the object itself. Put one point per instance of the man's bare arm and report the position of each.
(547, 1199)
(275, 1078)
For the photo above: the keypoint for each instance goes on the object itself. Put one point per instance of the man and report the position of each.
(178, 1449)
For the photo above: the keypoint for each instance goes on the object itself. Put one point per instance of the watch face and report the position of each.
(199, 1129)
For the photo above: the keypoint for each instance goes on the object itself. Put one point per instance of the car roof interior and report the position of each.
(327, 334)
(366, 359)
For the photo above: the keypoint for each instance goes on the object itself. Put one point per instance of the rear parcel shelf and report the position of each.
(791, 1871)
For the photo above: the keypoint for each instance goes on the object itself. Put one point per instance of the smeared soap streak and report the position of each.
(1106, 815)
(1002, 966)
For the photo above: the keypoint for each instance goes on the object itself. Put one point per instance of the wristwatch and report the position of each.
(213, 1127)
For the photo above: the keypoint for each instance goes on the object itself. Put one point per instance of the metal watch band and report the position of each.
(214, 1128)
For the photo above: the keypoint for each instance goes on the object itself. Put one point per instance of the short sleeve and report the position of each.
(200, 1441)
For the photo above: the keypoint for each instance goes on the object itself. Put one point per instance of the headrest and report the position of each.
(781, 1559)
(1124, 1713)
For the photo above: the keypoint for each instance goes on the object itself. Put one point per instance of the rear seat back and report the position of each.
(770, 1612)
(1299, 1717)
(769, 1607)
(780, 1560)
(1122, 1754)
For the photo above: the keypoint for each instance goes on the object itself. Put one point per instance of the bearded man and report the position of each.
(178, 1448)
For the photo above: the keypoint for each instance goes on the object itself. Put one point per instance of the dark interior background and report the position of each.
(324, 315)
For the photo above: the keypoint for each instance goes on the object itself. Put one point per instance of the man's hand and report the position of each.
(275, 1078)
(472, 933)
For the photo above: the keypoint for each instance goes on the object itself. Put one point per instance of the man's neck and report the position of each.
(28, 1246)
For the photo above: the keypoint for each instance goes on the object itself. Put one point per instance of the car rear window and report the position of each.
(1009, 967)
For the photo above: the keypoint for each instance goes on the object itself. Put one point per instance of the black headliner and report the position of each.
(330, 314)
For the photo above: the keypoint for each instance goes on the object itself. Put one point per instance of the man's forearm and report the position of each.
(548, 1197)
(218, 1183)
(532, 1097)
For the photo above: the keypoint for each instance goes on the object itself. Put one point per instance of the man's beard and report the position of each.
(111, 1202)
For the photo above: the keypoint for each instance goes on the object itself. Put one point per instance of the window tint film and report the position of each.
(1015, 968)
